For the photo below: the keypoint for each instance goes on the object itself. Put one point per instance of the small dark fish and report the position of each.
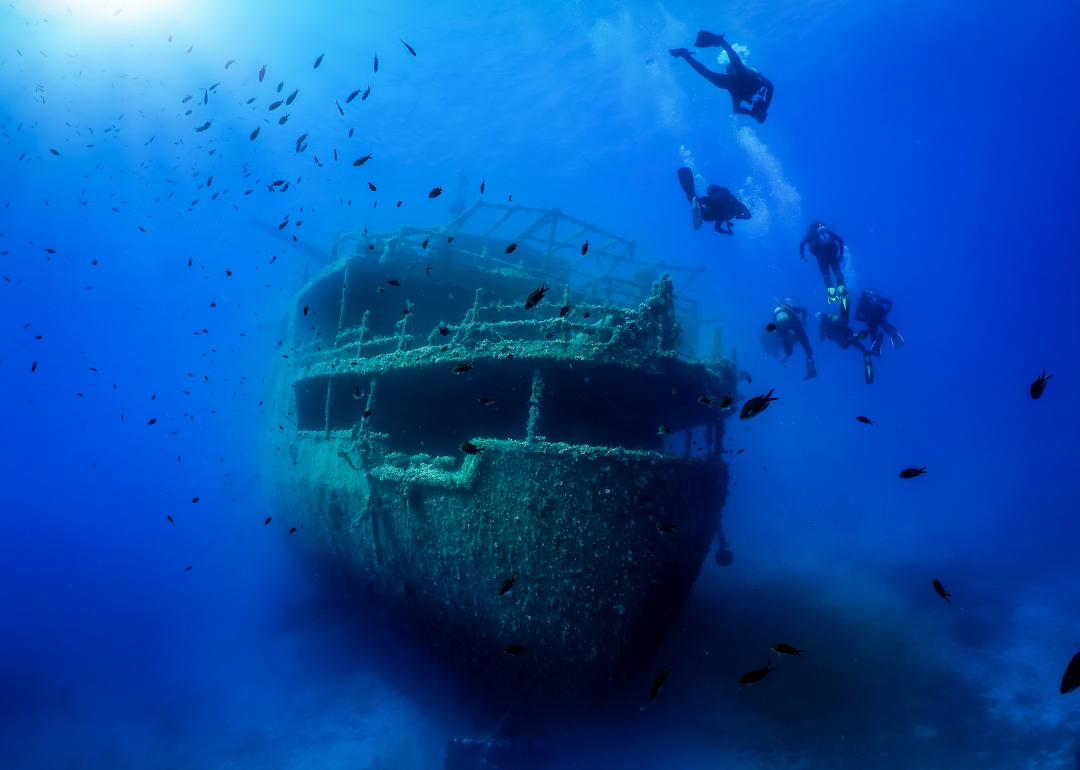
(371, 186)
(564, 310)
(267, 521)
(262, 73)
(292, 530)
(471, 449)
(705, 400)
(349, 98)
(940, 589)
(658, 683)
(510, 249)
(462, 368)
(910, 473)
(367, 413)
(450, 239)
(194, 499)
(54, 152)
(229, 63)
(367, 93)
(170, 518)
(515, 649)
(756, 405)
(535, 297)
(301, 140)
(249, 101)
(485, 400)
(362, 161)
(1039, 385)
(276, 104)
(408, 46)
(283, 119)
(319, 61)
(33, 367)
(427, 270)
(444, 331)
(665, 529)
(1071, 680)
(786, 649)
(770, 327)
(756, 676)
(50, 251)
(864, 420)
(352, 129)
(209, 180)
(214, 86)
(507, 584)
(206, 96)
(394, 283)
(306, 308)
(663, 430)
(189, 49)
(483, 182)
(188, 569)
(152, 421)
(255, 133)
(335, 154)
(186, 99)
(435, 192)
(425, 243)
(584, 248)
(376, 62)
(291, 97)
(280, 86)
(203, 127)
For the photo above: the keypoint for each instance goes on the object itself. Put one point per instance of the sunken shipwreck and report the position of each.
(507, 446)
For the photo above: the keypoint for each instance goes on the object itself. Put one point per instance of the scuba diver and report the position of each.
(717, 205)
(828, 247)
(871, 309)
(745, 84)
(835, 328)
(790, 329)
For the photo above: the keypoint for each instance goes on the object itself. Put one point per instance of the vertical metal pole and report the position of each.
(534, 406)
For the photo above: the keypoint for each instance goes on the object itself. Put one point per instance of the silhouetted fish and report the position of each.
(507, 584)
(756, 676)
(408, 46)
(941, 591)
(864, 420)
(1039, 385)
(1071, 680)
(291, 97)
(910, 473)
(658, 683)
(756, 406)
(376, 62)
(435, 192)
(262, 73)
(786, 649)
(350, 97)
(516, 649)
(584, 248)
(471, 449)
(319, 60)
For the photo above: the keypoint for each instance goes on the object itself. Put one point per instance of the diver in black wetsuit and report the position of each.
(717, 205)
(745, 84)
(790, 328)
(828, 247)
(832, 326)
(872, 308)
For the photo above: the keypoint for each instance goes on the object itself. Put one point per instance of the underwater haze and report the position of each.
(150, 619)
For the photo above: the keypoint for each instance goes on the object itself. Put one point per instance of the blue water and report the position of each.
(939, 140)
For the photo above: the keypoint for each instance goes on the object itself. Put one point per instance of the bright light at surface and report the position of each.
(123, 13)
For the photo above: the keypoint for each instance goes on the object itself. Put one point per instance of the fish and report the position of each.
(338, 105)
(910, 473)
(306, 309)
(584, 248)
(291, 97)
(756, 405)
(142, 229)
(335, 154)
(267, 520)
(186, 99)
(262, 73)
(510, 249)
(507, 584)
(50, 251)
(249, 101)
(663, 430)
(450, 239)
(214, 86)
(203, 127)
(462, 368)
(786, 649)
(1039, 385)
(33, 367)
(229, 63)
(362, 161)
(705, 400)
(515, 649)
(471, 449)
(756, 676)
(206, 96)
(427, 270)
(564, 310)
(319, 61)
(350, 97)
(940, 589)
(658, 683)
(864, 420)
(255, 133)
(1071, 680)
(209, 180)
(435, 192)
(371, 186)
(485, 400)
(444, 331)
(665, 529)
(771, 327)
(194, 499)
(367, 93)
(292, 530)
(425, 243)
(54, 152)
(394, 283)
(276, 104)
(152, 421)
(283, 119)
(351, 130)
(535, 297)
(367, 413)
(407, 46)
(482, 183)
(376, 62)
(189, 49)
(301, 140)
(188, 569)
(280, 86)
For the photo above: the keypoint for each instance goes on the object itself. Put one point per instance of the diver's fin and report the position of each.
(695, 214)
(897, 341)
(811, 372)
(875, 349)
(832, 294)
(707, 39)
(845, 304)
(868, 369)
(686, 180)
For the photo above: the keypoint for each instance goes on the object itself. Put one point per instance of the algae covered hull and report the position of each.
(563, 401)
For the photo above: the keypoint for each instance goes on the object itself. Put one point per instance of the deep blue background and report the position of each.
(940, 141)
